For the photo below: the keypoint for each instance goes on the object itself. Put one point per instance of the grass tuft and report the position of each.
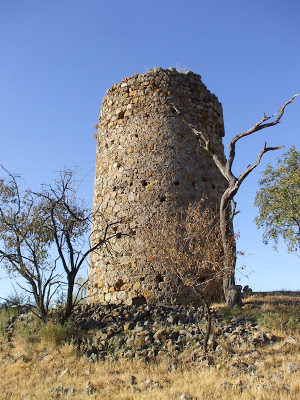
(57, 334)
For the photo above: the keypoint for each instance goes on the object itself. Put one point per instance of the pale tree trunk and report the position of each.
(231, 290)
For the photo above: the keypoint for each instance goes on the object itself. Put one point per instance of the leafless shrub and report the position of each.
(188, 245)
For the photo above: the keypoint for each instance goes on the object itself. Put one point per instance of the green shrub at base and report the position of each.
(57, 334)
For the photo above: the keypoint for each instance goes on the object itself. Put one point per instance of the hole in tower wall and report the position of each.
(176, 183)
(144, 183)
(202, 279)
(138, 301)
(193, 183)
(162, 198)
(213, 186)
(136, 135)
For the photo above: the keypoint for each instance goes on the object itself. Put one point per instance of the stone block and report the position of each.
(136, 286)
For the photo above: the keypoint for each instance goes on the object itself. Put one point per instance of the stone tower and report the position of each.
(149, 161)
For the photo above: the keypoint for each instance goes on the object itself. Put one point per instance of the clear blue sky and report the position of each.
(59, 57)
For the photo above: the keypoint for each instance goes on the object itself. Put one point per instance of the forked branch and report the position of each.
(257, 127)
(250, 168)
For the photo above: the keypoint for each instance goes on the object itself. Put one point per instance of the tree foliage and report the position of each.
(25, 241)
(278, 201)
(56, 219)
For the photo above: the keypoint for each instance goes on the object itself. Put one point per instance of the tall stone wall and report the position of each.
(148, 162)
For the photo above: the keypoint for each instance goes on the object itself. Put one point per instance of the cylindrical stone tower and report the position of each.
(149, 161)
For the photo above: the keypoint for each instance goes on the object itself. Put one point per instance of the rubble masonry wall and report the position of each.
(148, 162)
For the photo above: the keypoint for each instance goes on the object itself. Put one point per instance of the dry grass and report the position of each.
(38, 370)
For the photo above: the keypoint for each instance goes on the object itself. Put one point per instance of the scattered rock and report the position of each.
(154, 386)
(274, 377)
(260, 387)
(291, 340)
(90, 389)
(226, 384)
(135, 390)
(147, 382)
(172, 367)
(151, 332)
(133, 380)
(160, 334)
(293, 367)
(186, 396)
(60, 391)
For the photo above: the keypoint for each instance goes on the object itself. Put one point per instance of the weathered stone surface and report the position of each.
(148, 332)
(149, 163)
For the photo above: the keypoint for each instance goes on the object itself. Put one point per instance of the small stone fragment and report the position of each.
(293, 367)
(186, 396)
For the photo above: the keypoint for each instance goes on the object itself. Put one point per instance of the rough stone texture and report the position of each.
(149, 332)
(150, 162)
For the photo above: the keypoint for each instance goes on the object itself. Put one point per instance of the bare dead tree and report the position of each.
(70, 220)
(227, 209)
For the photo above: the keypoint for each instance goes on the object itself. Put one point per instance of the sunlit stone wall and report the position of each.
(150, 162)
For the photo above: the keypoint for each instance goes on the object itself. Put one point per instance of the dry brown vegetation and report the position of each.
(33, 367)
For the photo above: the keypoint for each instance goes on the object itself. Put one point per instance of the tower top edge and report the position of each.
(171, 74)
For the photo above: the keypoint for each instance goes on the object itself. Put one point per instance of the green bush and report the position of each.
(279, 320)
(269, 320)
(56, 333)
(6, 316)
(228, 313)
(28, 329)
(293, 323)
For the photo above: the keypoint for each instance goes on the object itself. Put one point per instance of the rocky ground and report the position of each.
(148, 331)
(238, 345)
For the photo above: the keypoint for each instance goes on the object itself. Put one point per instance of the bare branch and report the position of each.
(259, 157)
(233, 210)
(257, 127)
(204, 141)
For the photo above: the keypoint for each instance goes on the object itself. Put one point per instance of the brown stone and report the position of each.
(191, 176)
(136, 286)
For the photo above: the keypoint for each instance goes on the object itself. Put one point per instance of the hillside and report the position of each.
(147, 352)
